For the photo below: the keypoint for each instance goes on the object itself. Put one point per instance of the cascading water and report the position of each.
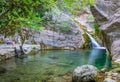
(97, 52)
(94, 43)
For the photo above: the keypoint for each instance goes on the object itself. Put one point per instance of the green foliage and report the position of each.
(63, 27)
(53, 21)
(75, 5)
(15, 14)
(96, 28)
(22, 13)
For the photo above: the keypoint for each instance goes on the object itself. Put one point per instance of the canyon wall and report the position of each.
(107, 15)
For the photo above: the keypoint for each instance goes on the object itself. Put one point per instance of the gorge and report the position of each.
(57, 40)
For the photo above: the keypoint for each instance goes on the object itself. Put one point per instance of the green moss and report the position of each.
(115, 63)
(34, 48)
(81, 26)
(116, 70)
(32, 52)
(87, 41)
(97, 30)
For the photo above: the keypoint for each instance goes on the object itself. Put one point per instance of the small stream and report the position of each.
(46, 66)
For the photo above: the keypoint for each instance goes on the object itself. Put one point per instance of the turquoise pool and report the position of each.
(49, 66)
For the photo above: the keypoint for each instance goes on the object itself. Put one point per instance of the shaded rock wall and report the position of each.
(107, 15)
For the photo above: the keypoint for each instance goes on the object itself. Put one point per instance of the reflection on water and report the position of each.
(48, 64)
(97, 57)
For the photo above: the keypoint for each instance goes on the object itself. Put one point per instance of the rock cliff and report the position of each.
(60, 32)
(107, 15)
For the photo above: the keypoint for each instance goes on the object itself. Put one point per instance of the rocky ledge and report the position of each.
(7, 51)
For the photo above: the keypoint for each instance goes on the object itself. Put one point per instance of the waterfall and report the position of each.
(96, 53)
(94, 43)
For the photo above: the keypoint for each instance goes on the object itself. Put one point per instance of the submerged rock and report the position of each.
(53, 57)
(85, 73)
(2, 70)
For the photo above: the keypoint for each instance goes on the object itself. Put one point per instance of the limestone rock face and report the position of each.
(107, 15)
(61, 32)
(116, 50)
(85, 73)
(65, 41)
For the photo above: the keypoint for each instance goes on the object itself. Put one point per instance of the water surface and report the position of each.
(48, 65)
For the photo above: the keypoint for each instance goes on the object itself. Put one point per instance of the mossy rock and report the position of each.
(115, 63)
(87, 41)
(116, 70)
(33, 52)
(2, 70)
(2, 57)
(1, 41)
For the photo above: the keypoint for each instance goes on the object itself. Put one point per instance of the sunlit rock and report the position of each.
(85, 73)
(61, 31)
(52, 39)
(109, 80)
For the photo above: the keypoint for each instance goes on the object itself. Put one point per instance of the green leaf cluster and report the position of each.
(75, 5)
(15, 14)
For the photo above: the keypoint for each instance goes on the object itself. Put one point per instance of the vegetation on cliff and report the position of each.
(29, 13)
